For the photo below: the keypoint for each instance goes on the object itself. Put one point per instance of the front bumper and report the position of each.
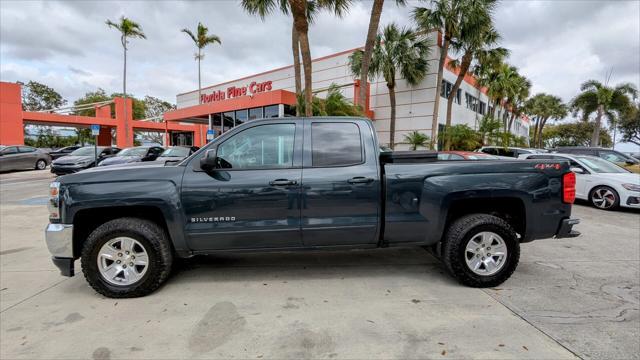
(566, 230)
(63, 170)
(59, 239)
(633, 201)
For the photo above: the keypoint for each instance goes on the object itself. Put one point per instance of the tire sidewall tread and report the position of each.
(150, 235)
(459, 234)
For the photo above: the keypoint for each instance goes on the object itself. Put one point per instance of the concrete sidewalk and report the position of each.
(568, 297)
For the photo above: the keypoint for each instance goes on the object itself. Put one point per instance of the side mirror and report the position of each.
(209, 160)
(630, 162)
(577, 170)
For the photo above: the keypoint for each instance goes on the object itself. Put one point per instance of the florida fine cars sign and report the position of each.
(233, 92)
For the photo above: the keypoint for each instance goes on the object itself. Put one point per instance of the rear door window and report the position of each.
(335, 144)
(26, 149)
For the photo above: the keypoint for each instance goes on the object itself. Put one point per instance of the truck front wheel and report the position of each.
(127, 257)
(481, 250)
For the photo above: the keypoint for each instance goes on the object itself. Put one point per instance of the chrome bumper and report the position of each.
(59, 238)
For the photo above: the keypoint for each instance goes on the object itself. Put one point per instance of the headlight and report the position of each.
(54, 201)
(631, 187)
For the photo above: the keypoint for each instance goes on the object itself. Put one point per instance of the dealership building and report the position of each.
(272, 94)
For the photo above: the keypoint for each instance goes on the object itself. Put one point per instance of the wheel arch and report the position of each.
(87, 220)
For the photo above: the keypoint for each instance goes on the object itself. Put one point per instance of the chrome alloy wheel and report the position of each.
(486, 253)
(122, 261)
(603, 198)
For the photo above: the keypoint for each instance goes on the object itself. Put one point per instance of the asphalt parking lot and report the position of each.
(569, 298)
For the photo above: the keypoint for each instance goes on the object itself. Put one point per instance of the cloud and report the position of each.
(66, 44)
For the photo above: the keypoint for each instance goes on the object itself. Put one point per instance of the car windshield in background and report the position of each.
(481, 156)
(84, 151)
(600, 165)
(176, 152)
(134, 151)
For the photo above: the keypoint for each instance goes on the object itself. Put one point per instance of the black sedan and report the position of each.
(133, 155)
(80, 159)
(63, 151)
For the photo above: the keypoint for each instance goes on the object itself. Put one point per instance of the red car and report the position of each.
(465, 155)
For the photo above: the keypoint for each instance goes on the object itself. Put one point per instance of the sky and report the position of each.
(558, 44)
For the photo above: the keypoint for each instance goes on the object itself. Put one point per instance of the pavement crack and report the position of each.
(534, 325)
(34, 295)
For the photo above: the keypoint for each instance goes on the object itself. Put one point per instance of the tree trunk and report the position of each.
(299, 12)
(535, 132)
(595, 138)
(199, 83)
(464, 67)
(374, 21)
(124, 95)
(542, 124)
(436, 103)
(513, 116)
(295, 48)
(392, 121)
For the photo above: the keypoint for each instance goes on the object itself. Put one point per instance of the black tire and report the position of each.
(616, 201)
(150, 235)
(41, 164)
(461, 231)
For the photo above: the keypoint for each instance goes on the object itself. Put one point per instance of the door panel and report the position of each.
(254, 201)
(340, 185)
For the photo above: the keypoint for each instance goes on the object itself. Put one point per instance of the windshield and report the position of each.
(600, 166)
(85, 151)
(176, 152)
(481, 156)
(134, 151)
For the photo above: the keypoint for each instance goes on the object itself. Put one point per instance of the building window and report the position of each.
(229, 118)
(255, 113)
(241, 117)
(289, 110)
(271, 111)
(216, 119)
(445, 90)
(482, 108)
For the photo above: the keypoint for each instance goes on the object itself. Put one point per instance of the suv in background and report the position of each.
(628, 162)
(513, 152)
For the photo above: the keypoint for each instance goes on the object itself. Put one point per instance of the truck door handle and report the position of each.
(359, 180)
(282, 182)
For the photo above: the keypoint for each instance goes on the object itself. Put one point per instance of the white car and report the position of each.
(605, 184)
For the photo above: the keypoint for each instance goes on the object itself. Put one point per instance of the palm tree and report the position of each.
(476, 40)
(541, 108)
(415, 139)
(300, 10)
(605, 101)
(372, 32)
(395, 51)
(443, 16)
(201, 39)
(128, 29)
(517, 95)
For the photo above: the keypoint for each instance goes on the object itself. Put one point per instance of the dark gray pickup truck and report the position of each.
(297, 184)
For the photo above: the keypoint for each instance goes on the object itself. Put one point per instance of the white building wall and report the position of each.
(414, 105)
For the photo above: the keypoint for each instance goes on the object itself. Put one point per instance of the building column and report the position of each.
(280, 110)
(121, 139)
(11, 121)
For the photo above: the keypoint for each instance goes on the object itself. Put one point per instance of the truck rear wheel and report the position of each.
(127, 257)
(480, 250)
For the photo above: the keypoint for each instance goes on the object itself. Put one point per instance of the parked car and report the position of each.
(512, 152)
(628, 162)
(63, 151)
(604, 184)
(467, 155)
(177, 153)
(133, 155)
(20, 157)
(260, 187)
(81, 159)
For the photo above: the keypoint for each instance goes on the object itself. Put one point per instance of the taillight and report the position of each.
(569, 188)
